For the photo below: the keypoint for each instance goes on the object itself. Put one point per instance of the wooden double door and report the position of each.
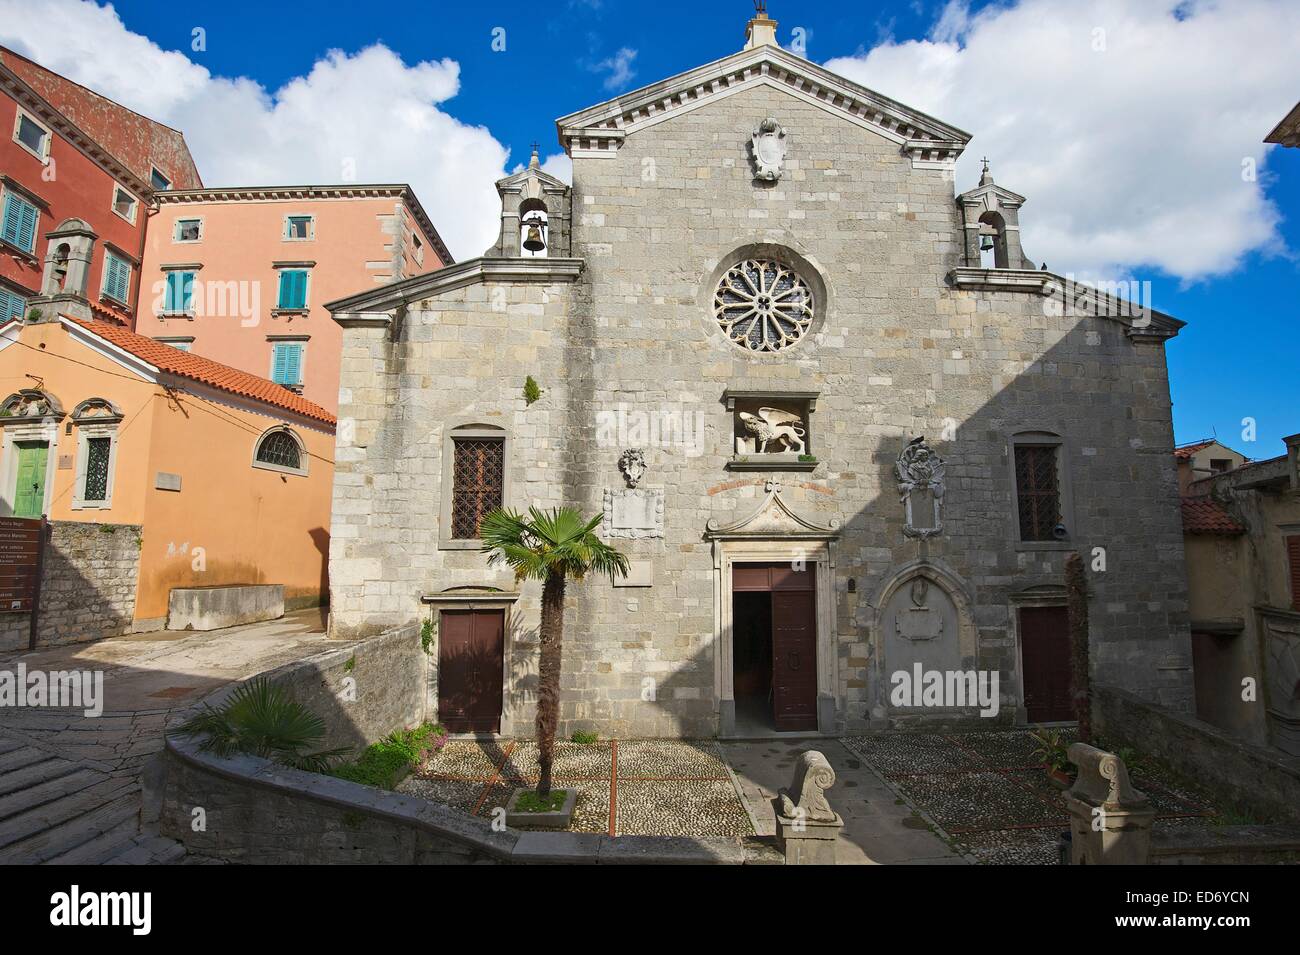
(792, 596)
(1045, 659)
(471, 670)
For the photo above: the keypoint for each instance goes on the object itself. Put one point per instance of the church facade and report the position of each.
(844, 430)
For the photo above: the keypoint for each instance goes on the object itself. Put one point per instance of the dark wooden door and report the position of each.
(471, 655)
(1045, 655)
(794, 660)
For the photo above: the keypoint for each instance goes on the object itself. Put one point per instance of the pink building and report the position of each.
(240, 275)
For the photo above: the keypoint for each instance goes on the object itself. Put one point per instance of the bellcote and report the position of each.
(536, 209)
(991, 226)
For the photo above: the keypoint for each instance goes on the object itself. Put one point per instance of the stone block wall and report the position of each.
(89, 586)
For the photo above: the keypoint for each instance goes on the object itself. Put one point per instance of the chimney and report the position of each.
(761, 31)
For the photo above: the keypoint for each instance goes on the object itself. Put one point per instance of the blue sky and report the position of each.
(1128, 173)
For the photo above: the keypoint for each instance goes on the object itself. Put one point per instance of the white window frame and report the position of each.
(103, 279)
(44, 155)
(302, 452)
(311, 227)
(84, 433)
(135, 203)
(176, 230)
(302, 359)
(155, 171)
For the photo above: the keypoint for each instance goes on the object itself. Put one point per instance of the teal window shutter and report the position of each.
(11, 305)
(187, 290)
(293, 288)
(170, 297)
(20, 220)
(180, 292)
(117, 278)
(287, 364)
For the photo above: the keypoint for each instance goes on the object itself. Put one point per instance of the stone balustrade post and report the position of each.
(806, 826)
(1110, 821)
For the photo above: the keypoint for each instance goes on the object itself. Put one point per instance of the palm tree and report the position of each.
(550, 546)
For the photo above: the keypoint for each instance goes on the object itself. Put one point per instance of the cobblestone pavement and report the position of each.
(625, 787)
(985, 794)
(78, 789)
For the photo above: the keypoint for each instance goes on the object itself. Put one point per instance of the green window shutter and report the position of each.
(20, 220)
(117, 278)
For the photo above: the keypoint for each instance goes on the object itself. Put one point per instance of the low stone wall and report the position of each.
(1227, 845)
(213, 608)
(1261, 781)
(88, 587)
(247, 809)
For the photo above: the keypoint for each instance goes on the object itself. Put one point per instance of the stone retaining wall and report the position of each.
(89, 586)
(1259, 780)
(247, 809)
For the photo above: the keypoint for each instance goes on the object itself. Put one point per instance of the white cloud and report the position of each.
(560, 166)
(619, 68)
(363, 116)
(1125, 123)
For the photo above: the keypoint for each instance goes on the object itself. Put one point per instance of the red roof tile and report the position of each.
(1187, 450)
(173, 361)
(1204, 515)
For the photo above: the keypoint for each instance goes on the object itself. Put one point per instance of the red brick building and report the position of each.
(78, 174)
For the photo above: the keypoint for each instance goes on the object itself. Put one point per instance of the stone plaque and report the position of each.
(640, 573)
(634, 512)
(164, 481)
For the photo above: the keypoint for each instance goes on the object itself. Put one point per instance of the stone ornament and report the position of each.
(31, 404)
(806, 797)
(632, 464)
(763, 305)
(920, 469)
(772, 426)
(768, 142)
(919, 621)
(635, 513)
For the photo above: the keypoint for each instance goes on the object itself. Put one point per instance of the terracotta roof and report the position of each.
(1204, 515)
(1186, 451)
(173, 361)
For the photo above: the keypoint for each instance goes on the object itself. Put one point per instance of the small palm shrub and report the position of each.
(260, 718)
(386, 763)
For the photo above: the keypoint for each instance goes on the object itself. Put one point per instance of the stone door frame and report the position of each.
(816, 554)
(459, 599)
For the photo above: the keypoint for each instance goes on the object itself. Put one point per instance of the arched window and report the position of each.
(281, 450)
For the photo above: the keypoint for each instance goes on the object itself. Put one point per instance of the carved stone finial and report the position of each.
(632, 464)
(806, 797)
(920, 469)
(1103, 779)
(769, 150)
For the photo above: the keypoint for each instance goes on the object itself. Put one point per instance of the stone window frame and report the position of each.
(808, 269)
(135, 202)
(472, 429)
(808, 398)
(95, 426)
(303, 456)
(1042, 436)
(44, 155)
(156, 173)
(311, 227)
(116, 255)
(176, 228)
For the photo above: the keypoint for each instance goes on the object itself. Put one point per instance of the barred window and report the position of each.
(1038, 491)
(97, 457)
(478, 481)
(279, 450)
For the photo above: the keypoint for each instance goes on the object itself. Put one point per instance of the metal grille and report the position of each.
(97, 454)
(280, 449)
(1038, 491)
(478, 479)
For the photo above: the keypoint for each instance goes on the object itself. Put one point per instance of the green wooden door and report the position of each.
(29, 499)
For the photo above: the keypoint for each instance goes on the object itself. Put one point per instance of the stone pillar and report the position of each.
(806, 826)
(1110, 821)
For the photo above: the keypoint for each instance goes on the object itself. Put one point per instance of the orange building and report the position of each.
(228, 474)
(241, 275)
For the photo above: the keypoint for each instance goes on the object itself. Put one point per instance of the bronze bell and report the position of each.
(534, 242)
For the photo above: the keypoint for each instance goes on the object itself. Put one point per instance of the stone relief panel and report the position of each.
(768, 146)
(920, 624)
(634, 512)
(921, 489)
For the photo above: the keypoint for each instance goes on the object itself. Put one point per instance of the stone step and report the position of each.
(52, 813)
(102, 847)
(44, 770)
(48, 789)
(80, 829)
(20, 756)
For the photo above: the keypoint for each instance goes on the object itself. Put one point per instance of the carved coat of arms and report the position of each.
(769, 150)
(920, 469)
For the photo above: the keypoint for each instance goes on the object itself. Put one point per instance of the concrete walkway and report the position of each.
(880, 828)
(78, 789)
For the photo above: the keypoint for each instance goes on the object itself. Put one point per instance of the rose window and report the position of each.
(763, 306)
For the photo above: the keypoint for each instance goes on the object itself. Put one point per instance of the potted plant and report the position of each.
(1052, 753)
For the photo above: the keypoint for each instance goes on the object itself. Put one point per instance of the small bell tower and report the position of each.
(68, 252)
(991, 226)
(536, 211)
